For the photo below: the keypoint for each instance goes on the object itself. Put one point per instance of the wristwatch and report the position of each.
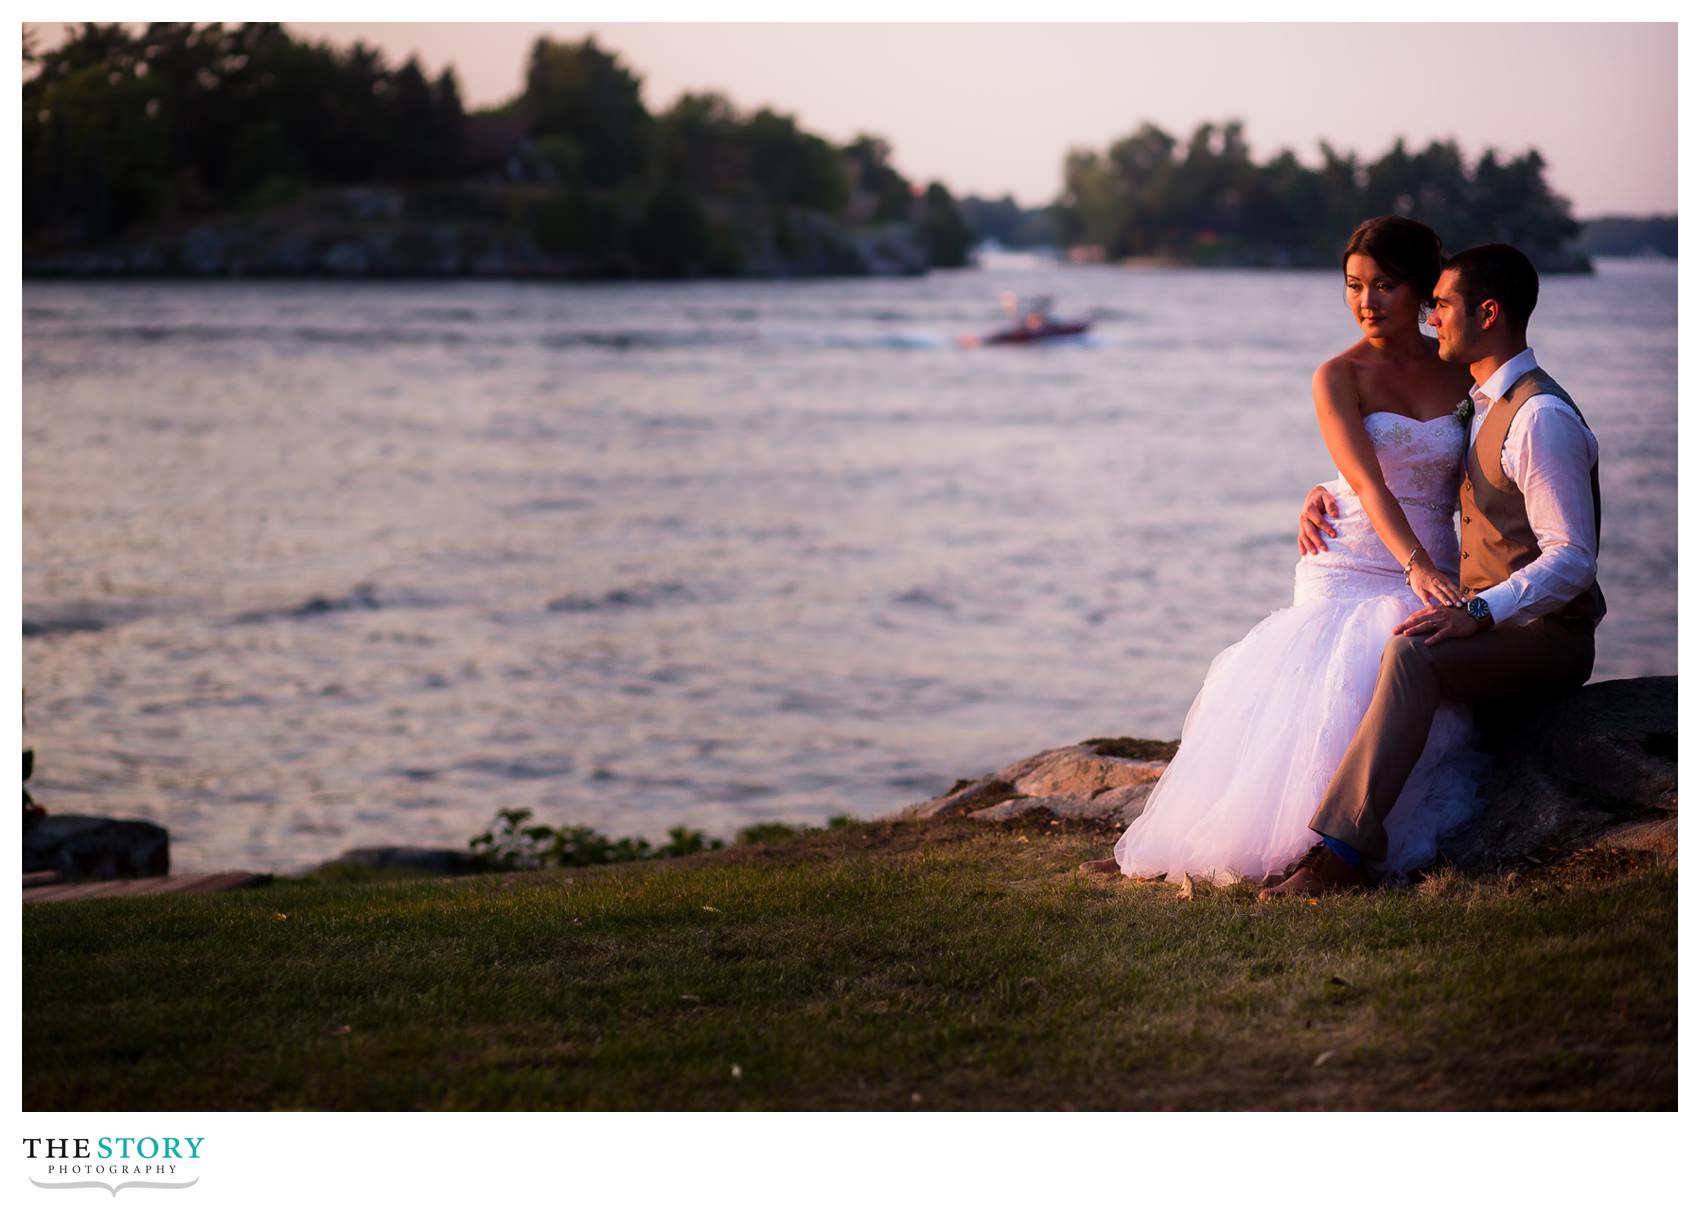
(1480, 612)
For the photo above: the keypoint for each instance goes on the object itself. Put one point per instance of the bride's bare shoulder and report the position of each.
(1339, 374)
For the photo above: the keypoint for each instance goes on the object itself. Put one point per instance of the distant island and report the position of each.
(1209, 202)
(191, 150)
(1630, 236)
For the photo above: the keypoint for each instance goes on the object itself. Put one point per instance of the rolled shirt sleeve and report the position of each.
(1548, 456)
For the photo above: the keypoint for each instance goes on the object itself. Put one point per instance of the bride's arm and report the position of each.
(1342, 426)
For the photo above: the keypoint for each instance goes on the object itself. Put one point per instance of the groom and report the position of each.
(1530, 509)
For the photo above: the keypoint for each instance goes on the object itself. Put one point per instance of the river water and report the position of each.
(315, 565)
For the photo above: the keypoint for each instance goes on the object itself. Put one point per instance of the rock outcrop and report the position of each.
(1595, 767)
(95, 848)
(1092, 780)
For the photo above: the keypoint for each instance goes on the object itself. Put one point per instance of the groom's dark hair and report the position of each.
(1501, 273)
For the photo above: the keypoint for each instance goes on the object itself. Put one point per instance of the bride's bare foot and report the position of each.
(1101, 867)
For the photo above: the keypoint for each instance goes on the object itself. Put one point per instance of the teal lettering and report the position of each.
(105, 1147)
(171, 1148)
(147, 1147)
(194, 1146)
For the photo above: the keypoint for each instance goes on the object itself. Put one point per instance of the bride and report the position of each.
(1277, 709)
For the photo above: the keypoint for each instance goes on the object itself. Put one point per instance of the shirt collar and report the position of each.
(1508, 373)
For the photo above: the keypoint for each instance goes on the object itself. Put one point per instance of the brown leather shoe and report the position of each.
(1320, 871)
(1100, 867)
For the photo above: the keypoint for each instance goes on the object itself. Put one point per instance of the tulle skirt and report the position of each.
(1266, 733)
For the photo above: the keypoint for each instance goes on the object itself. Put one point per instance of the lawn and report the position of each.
(890, 965)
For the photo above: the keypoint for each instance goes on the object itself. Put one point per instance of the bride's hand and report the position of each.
(1431, 585)
(1318, 511)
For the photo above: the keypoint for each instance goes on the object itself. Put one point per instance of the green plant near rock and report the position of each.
(511, 843)
(767, 831)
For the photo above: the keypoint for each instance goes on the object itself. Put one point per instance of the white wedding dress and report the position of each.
(1276, 711)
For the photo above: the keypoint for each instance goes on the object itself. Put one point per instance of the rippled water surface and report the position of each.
(310, 566)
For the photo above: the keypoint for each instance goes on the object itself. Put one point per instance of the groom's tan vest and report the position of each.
(1497, 537)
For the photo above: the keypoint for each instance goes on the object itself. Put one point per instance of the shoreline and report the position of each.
(83, 266)
(1593, 769)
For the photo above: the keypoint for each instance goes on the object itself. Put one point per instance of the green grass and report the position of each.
(932, 965)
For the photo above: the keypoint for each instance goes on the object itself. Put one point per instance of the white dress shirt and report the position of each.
(1548, 453)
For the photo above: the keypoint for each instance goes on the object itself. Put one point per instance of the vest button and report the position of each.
(1467, 487)
(1463, 555)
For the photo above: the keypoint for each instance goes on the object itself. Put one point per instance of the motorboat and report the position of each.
(1031, 323)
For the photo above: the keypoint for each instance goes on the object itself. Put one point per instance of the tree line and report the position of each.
(121, 128)
(1207, 199)
(125, 127)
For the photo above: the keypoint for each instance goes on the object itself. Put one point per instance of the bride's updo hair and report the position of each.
(1406, 249)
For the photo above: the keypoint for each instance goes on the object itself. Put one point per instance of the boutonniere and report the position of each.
(1465, 411)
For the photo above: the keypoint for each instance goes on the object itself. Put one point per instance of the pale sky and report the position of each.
(990, 109)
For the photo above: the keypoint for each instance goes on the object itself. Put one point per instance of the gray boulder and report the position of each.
(1117, 807)
(968, 796)
(95, 848)
(1122, 805)
(1078, 771)
(1594, 766)
(1114, 784)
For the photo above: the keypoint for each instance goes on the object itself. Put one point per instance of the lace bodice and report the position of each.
(1422, 461)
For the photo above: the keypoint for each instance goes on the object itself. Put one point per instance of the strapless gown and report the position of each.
(1272, 721)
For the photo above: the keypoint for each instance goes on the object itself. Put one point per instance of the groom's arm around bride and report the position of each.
(1530, 517)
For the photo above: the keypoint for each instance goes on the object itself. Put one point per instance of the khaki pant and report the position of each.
(1544, 655)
